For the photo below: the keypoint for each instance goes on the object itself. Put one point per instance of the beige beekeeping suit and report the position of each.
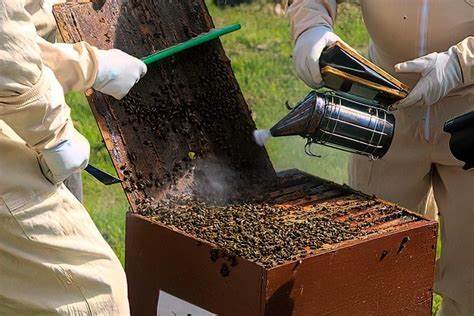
(42, 17)
(420, 159)
(45, 24)
(53, 259)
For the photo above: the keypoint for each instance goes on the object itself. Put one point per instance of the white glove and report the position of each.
(117, 72)
(440, 73)
(63, 160)
(308, 49)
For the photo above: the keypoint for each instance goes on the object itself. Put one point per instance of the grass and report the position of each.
(261, 59)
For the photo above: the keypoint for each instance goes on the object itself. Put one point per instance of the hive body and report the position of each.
(387, 270)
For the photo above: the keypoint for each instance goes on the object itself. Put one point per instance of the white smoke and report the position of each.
(261, 136)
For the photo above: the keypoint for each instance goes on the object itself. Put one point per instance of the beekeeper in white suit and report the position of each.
(42, 17)
(428, 45)
(53, 259)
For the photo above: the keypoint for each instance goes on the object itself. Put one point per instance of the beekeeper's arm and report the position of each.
(32, 100)
(312, 30)
(80, 66)
(440, 73)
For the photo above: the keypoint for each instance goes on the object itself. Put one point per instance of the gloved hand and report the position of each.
(308, 49)
(440, 73)
(66, 158)
(117, 72)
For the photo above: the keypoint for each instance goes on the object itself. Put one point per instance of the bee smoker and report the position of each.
(352, 115)
(339, 122)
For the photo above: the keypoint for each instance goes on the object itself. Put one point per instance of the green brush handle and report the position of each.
(198, 40)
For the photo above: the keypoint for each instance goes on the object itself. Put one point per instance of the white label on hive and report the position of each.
(169, 305)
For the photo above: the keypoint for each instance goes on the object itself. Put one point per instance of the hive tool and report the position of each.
(101, 176)
(195, 41)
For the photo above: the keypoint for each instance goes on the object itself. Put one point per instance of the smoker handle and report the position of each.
(461, 143)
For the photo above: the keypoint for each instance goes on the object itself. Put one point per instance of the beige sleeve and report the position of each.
(31, 99)
(465, 52)
(75, 65)
(304, 14)
(41, 12)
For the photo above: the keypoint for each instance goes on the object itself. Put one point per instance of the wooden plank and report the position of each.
(187, 106)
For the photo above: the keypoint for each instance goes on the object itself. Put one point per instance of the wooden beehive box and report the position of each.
(189, 116)
(389, 271)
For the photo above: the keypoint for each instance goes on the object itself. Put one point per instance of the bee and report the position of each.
(383, 255)
(225, 271)
(405, 240)
(214, 255)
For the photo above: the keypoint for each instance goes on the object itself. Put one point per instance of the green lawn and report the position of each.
(261, 58)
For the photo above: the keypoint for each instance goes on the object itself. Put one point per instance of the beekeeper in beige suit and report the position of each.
(42, 17)
(53, 259)
(429, 45)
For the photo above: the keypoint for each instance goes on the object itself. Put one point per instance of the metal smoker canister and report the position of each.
(345, 123)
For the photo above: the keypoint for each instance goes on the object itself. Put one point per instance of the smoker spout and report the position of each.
(303, 120)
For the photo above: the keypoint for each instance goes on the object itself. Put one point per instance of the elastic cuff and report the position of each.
(323, 25)
(71, 155)
(93, 53)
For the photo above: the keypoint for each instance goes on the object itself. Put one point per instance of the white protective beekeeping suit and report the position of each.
(53, 260)
(419, 159)
(42, 17)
